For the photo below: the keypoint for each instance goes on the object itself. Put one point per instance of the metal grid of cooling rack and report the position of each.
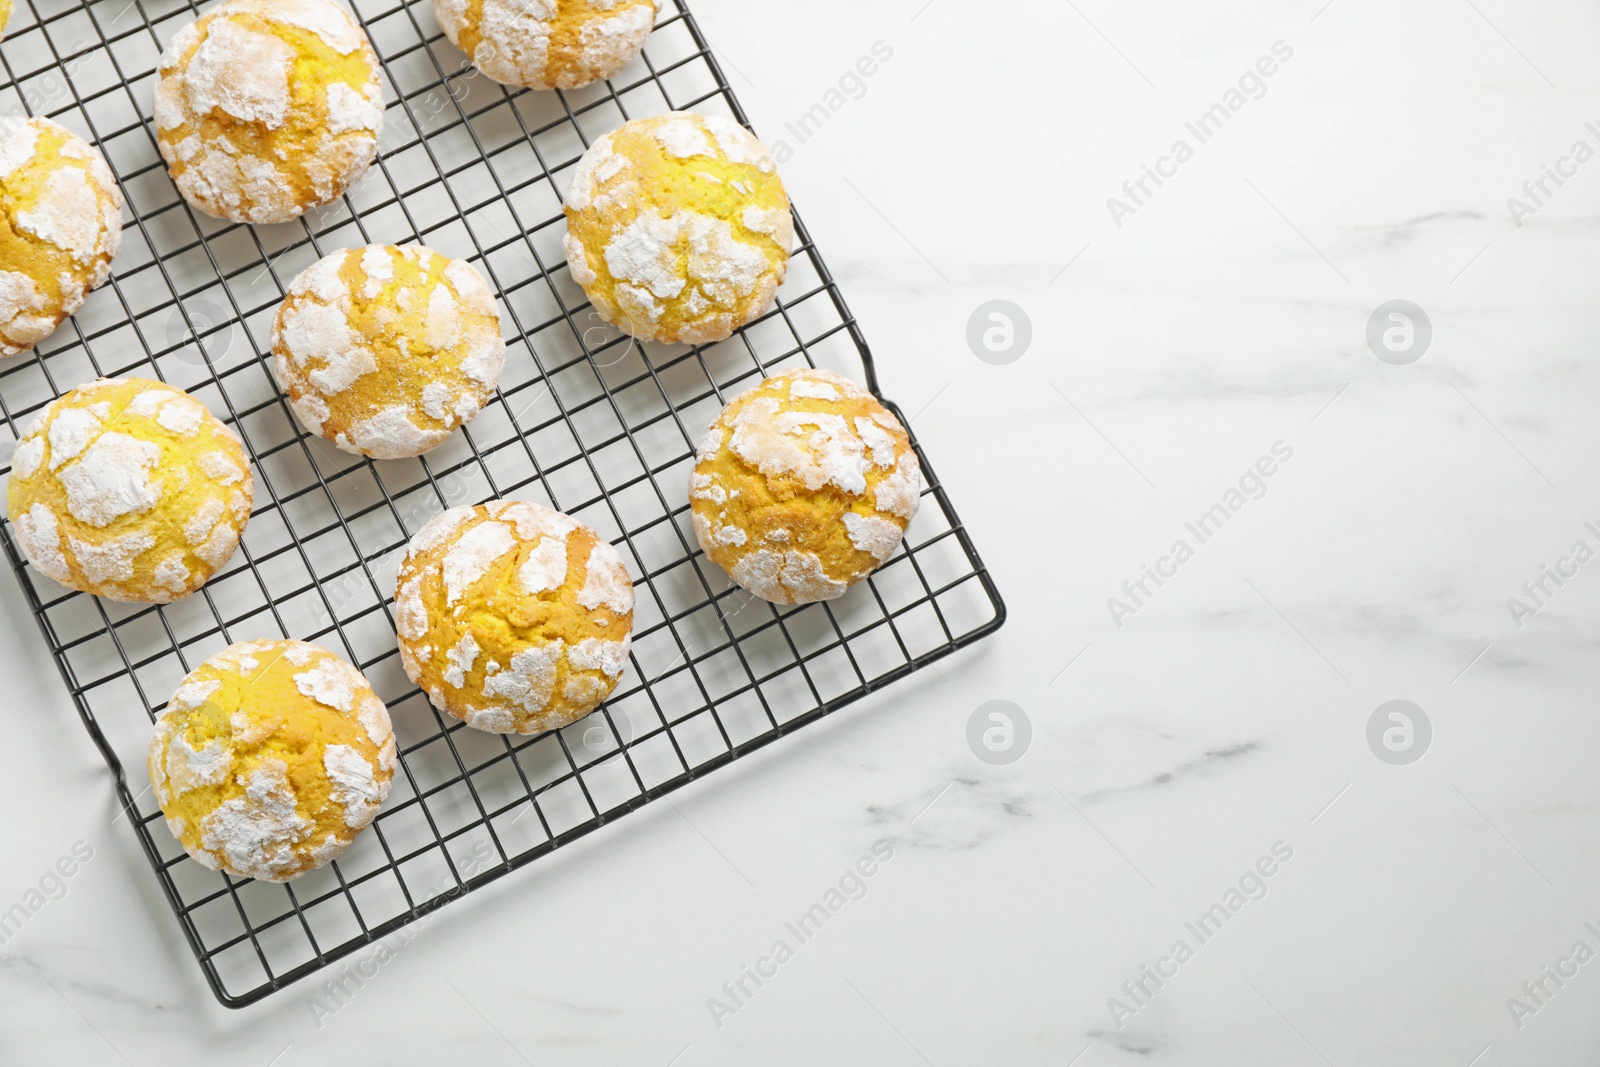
(586, 420)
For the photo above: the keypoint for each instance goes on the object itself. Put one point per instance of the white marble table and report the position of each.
(1210, 728)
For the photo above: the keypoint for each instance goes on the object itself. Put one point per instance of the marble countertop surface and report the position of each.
(1238, 500)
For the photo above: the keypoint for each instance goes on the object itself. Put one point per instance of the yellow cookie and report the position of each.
(385, 350)
(267, 108)
(803, 486)
(512, 617)
(60, 226)
(5, 15)
(678, 228)
(548, 44)
(129, 489)
(270, 758)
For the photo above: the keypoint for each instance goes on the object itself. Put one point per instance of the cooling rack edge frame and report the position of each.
(127, 802)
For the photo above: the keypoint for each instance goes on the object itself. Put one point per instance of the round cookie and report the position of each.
(385, 350)
(267, 108)
(803, 486)
(60, 227)
(270, 758)
(129, 489)
(5, 16)
(678, 228)
(548, 44)
(512, 617)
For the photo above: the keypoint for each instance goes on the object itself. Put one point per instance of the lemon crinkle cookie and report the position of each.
(385, 350)
(5, 15)
(270, 758)
(60, 226)
(803, 486)
(266, 108)
(548, 44)
(129, 489)
(513, 617)
(678, 227)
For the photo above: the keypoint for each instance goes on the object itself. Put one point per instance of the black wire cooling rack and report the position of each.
(586, 420)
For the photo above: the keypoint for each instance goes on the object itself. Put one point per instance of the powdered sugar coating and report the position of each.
(330, 681)
(111, 478)
(873, 534)
(266, 108)
(385, 350)
(678, 227)
(355, 784)
(471, 556)
(786, 577)
(606, 583)
(548, 44)
(129, 489)
(803, 486)
(545, 567)
(513, 617)
(60, 228)
(270, 758)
